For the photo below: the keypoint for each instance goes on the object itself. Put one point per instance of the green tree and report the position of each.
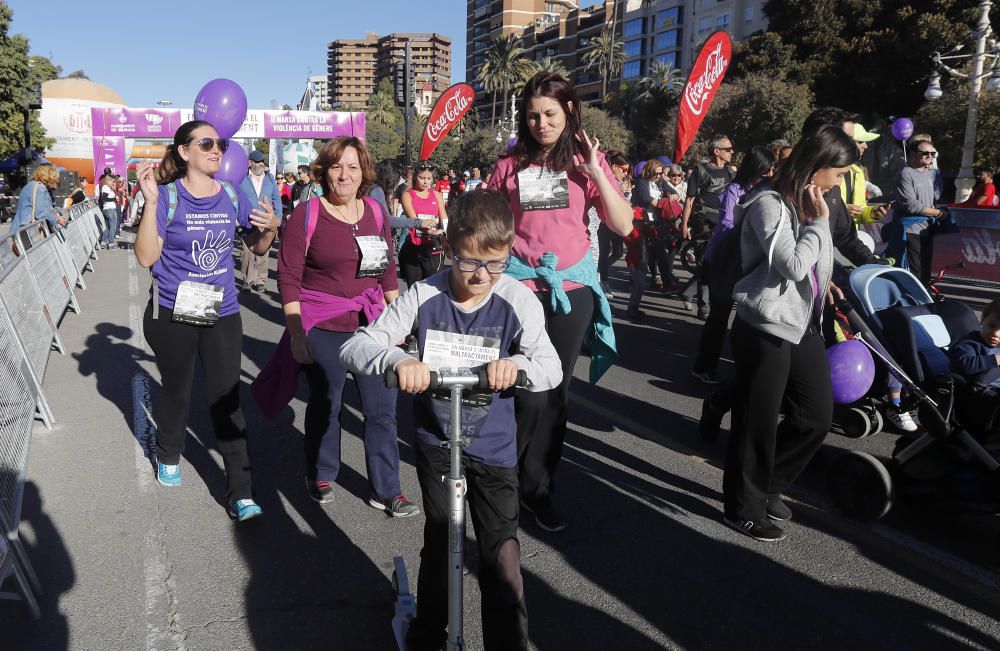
(663, 80)
(545, 64)
(944, 120)
(870, 57)
(384, 142)
(479, 148)
(504, 65)
(17, 83)
(611, 131)
(381, 107)
(607, 55)
(43, 68)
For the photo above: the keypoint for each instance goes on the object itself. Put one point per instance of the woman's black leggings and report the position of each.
(177, 346)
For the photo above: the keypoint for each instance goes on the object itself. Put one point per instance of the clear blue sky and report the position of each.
(148, 51)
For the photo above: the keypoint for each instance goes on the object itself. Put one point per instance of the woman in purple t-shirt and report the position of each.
(189, 223)
(551, 178)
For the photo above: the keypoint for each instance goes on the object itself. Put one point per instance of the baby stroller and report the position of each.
(949, 467)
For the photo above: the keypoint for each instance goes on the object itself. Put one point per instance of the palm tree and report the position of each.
(663, 79)
(505, 64)
(381, 108)
(546, 64)
(607, 55)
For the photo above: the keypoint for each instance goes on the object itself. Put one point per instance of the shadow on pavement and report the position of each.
(48, 555)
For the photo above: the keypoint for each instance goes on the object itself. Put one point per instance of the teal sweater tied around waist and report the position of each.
(601, 336)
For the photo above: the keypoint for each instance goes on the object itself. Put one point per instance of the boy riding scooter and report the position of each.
(470, 315)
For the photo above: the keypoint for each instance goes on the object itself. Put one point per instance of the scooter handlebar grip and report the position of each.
(435, 380)
(391, 379)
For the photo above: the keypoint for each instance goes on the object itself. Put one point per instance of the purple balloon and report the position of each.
(852, 371)
(902, 128)
(511, 142)
(641, 165)
(223, 103)
(233, 167)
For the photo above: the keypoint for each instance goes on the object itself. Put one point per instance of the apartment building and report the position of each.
(488, 19)
(673, 31)
(355, 67)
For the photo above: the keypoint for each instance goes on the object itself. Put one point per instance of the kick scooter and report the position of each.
(456, 381)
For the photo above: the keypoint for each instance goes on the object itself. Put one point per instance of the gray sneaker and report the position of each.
(397, 507)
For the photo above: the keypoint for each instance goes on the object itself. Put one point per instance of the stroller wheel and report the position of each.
(859, 485)
(878, 421)
(854, 423)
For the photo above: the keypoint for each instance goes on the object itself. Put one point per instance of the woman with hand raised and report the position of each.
(552, 177)
(185, 239)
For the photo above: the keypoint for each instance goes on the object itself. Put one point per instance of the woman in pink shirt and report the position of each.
(420, 257)
(551, 178)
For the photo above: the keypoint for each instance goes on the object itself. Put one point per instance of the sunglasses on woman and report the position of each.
(206, 144)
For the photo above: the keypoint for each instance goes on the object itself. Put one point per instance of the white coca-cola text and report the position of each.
(696, 94)
(454, 107)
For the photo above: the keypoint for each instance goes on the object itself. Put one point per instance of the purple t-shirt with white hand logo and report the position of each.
(198, 243)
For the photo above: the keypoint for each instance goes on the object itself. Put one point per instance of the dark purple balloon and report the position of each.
(223, 103)
(233, 167)
(852, 371)
(664, 160)
(902, 128)
(641, 165)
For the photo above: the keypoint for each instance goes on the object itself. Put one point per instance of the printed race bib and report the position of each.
(444, 350)
(374, 256)
(542, 189)
(197, 303)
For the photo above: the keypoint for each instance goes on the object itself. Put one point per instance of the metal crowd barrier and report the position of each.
(40, 268)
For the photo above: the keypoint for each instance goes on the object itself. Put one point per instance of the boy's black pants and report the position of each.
(493, 503)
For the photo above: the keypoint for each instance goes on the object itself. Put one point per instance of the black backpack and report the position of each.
(727, 265)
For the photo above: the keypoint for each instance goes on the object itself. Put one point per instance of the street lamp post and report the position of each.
(511, 128)
(164, 103)
(966, 180)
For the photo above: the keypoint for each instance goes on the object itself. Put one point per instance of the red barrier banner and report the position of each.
(706, 76)
(448, 110)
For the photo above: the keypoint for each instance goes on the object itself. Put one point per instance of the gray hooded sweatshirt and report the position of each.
(776, 296)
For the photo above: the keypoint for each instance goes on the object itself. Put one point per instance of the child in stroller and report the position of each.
(951, 466)
(976, 357)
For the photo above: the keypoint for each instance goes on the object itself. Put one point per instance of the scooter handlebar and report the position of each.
(472, 379)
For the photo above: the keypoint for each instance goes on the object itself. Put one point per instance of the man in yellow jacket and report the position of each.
(852, 188)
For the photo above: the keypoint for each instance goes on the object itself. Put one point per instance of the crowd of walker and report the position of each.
(509, 269)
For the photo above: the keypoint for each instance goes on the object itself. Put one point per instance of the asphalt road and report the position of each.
(646, 562)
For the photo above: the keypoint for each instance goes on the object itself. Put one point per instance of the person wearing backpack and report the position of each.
(786, 261)
(185, 239)
(701, 211)
(336, 273)
(756, 167)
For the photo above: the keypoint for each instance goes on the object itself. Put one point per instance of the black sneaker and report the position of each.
(762, 531)
(545, 515)
(321, 491)
(777, 510)
(708, 377)
(635, 316)
(399, 506)
(711, 421)
(703, 312)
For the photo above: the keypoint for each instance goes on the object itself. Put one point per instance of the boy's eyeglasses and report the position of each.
(931, 153)
(206, 144)
(471, 266)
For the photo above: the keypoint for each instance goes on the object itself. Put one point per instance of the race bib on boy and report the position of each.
(542, 189)
(197, 303)
(374, 255)
(444, 350)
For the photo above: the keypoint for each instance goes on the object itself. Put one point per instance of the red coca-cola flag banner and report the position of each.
(699, 91)
(448, 110)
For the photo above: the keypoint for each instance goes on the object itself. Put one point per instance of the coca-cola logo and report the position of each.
(452, 110)
(698, 93)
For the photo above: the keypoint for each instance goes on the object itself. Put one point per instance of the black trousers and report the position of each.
(493, 505)
(177, 346)
(417, 263)
(763, 457)
(610, 247)
(713, 334)
(541, 416)
(920, 253)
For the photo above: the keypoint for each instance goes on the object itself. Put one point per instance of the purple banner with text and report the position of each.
(135, 123)
(109, 151)
(313, 124)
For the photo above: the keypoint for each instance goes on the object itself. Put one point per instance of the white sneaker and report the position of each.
(901, 420)
(607, 291)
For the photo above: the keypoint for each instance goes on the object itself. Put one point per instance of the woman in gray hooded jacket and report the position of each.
(787, 259)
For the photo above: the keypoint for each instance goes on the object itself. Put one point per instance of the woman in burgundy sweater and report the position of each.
(339, 266)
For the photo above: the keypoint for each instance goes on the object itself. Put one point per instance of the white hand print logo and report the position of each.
(207, 254)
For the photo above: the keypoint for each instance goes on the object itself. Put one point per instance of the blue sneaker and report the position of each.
(244, 510)
(168, 475)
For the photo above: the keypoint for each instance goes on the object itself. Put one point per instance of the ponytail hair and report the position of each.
(173, 167)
